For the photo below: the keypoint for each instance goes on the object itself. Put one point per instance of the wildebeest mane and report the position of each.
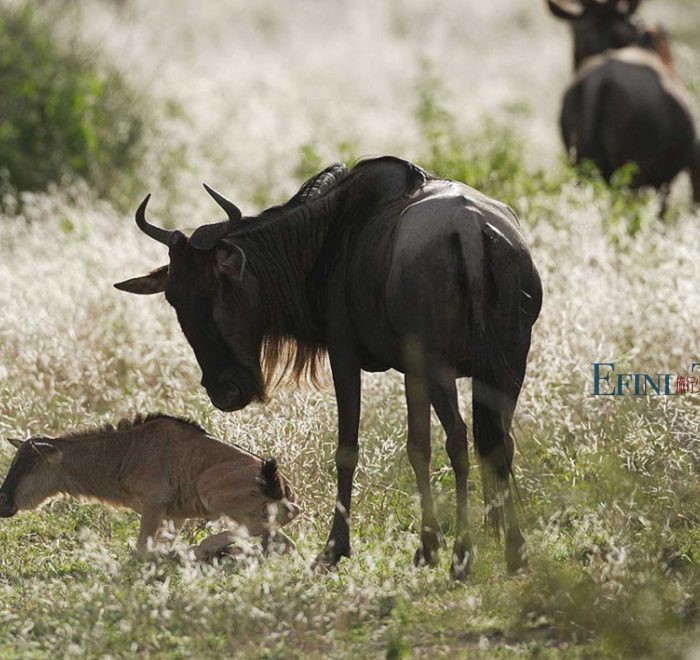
(318, 184)
(292, 248)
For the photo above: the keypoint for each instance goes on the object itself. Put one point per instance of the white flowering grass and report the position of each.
(609, 486)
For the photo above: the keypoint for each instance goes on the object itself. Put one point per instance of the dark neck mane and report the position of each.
(284, 245)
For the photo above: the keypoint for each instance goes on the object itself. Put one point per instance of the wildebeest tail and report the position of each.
(695, 172)
(271, 483)
(592, 94)
(493, 291)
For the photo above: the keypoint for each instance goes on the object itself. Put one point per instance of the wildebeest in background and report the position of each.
(626, 103)
(382, 266)
(165, 468)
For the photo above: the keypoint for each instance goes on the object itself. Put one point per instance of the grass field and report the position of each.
(252, 96)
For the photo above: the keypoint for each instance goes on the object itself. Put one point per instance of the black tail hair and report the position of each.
(695, 172)
(270, 480)
(494, 379)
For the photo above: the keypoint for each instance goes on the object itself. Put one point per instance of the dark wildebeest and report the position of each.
(165, 468)
(382, 266)
(626, 104)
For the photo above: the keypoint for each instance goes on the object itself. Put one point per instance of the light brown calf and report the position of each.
(164, 468)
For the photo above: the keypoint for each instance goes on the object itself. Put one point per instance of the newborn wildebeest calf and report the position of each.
(166, 469)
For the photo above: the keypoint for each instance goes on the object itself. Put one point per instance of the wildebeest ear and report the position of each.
(154, 282)
(15, 442)
(231, 259)
(47, 450)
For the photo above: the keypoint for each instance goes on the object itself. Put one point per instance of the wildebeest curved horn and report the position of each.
(232, 211)
(156, 233)
(566, 8)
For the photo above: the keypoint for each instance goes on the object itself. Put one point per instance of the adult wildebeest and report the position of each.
(164, 468)
(381, 266)
(626, 104)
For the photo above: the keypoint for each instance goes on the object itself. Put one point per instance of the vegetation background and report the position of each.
(102, 101)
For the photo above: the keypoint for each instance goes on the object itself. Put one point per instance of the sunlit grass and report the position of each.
(610, 489)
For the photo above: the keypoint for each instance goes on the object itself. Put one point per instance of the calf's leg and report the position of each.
(215, 545)
(151, 519)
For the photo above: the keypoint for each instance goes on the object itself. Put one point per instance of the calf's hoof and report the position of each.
(209, 554)
(277, 544)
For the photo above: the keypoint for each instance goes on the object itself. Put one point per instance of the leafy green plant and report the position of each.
(62, 115)
(491, 160)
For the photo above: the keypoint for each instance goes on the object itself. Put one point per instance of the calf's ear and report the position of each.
(48, 451)
(15, 442)
(154, 282)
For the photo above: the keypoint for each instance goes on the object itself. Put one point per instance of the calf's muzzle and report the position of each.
(7, 510)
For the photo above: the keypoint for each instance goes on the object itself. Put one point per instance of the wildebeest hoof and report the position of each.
(428, 550)
(516, 553)
(517, 567)
(462, 557)
(328, 559)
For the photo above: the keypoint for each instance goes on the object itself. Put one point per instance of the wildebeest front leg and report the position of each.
(418, 404)
(443, 395)
(347, 382)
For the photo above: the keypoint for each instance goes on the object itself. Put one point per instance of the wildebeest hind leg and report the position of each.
(418, 403)
(493, 414)
(443, 395)
(664, 194)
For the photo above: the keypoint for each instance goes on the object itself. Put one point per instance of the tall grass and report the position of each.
(609, 485)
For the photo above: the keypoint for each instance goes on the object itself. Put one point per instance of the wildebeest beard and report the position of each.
(232, 379)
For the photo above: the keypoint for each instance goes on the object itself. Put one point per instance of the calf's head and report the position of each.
(598, 25)
(217, 304)
(29, 480)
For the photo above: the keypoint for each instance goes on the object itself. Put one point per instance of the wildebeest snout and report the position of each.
(227, 397)
(225, 394)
